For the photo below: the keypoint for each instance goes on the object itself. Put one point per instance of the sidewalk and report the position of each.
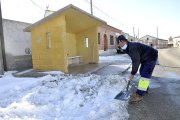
(111, 66)
(87, 68)
(104, 68)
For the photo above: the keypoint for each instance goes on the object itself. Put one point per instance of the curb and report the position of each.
(92, 71)
(123, 72)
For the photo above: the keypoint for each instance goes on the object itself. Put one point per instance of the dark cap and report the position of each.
(122, 38)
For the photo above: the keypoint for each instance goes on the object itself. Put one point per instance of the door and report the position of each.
(105, 42)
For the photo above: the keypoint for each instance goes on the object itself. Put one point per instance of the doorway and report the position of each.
(105, 42)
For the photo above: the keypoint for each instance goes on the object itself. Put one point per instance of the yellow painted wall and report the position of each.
(63, 45)
(71, 45)
(89, 54)
(53, 58)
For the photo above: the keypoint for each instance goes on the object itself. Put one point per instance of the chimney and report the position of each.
(48, 12)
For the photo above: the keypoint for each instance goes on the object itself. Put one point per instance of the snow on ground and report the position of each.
(62, 97)
(171, 75)
(120, 58)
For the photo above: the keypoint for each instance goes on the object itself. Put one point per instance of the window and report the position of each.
(147, 38)
(86, 42)
(111, 40)
(48, 40)
(99, 38)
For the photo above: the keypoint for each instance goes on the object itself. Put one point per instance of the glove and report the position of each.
(131, 77)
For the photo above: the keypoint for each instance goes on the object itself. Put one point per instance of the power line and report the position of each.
(37, 5)
(108, 15)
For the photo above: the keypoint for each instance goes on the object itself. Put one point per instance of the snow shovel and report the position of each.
(125, 94)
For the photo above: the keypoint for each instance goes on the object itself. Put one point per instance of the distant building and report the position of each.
(149, 40)
(17, 45)
(129, 37)
(170, 42)
(176, 41)
(132, 38)
(162, 43)
(154, 41)
(107, 36)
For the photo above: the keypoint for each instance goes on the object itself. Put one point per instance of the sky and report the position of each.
(149, 17)
(59, 96)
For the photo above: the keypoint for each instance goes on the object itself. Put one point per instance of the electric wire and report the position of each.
(37, 5)
(108, 15)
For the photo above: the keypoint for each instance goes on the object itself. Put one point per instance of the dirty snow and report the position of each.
(62, 97)
(171, 75)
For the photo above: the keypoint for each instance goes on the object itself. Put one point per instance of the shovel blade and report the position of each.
(123, 96)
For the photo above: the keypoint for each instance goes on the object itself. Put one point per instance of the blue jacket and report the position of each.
(140, 53)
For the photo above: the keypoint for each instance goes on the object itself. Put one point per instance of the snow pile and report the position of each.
(62, 97)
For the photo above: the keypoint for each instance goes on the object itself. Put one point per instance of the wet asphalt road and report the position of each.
(163, 101)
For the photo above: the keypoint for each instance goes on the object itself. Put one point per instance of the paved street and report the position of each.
(163, 101)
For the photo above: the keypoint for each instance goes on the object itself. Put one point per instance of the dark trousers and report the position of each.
(145, 71)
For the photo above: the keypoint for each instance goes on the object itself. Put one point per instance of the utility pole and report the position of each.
(1, 44)
(138, 33)
(157, 32)
(134, 33)
(157, 38)
(91, 7)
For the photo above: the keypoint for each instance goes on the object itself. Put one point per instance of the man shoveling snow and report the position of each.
(140, 54)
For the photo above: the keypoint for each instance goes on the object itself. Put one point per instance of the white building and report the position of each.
(154, 41)
(176, 41)
(17, 45)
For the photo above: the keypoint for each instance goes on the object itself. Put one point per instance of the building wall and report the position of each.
(71, 45)
(162, 43)
(113, 33)
(101, 31)
(89, 54)
(131, 38)
(176, 42)
(55, 57)
(108, 32)
(1, 61)
(63, 45)
(154, 42)
(149, 40)
(17, 45)
(170, 42)
(1, 47)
